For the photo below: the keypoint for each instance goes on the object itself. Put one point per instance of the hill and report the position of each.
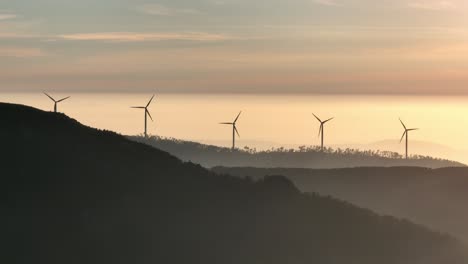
(434, 197)
(74, 194)
(303, 157)
(417, 146)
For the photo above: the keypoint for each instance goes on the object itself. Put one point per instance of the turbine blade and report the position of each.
(61, 100)
(138, 107)
(148, 113)
(235, 129)
(50, 97)
(403, 124)
(237, 117)
(328, 120)
(151, 100)
(226, 123)
(317, 118)
(402, 137)
(413, 129)
(320, 129)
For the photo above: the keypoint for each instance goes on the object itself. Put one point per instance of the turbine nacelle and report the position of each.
(56, 101)
(406, 130)
(321, 129)
(147, 112)
(233, 124)
(405, 134)
(234, 129)
(146, 107)
(322, 123)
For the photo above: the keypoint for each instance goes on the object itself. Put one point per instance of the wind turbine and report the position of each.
(405, 133)
(234, 130)
(147, 113)
(55, 101)
(321, 129)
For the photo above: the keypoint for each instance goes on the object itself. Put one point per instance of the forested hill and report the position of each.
(74, 194)
(304, 157)
(434, 197)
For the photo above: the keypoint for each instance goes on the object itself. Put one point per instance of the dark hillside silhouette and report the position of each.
(304, 157)
(436, 198)
(74, 194)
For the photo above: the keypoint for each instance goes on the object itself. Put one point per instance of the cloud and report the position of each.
(15, 52)
(217, 2)
(433, 5)
(14, 35)
(160, 10)
(140, 37)
(7, 16)
(327, 2)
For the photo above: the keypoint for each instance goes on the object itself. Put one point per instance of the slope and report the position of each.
(433, 197)
(73, 194)
(304, 157)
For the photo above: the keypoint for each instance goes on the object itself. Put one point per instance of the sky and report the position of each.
(235, 46)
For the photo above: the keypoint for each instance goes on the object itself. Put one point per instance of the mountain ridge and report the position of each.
(433, 197)
(74, 194)
(303, 157)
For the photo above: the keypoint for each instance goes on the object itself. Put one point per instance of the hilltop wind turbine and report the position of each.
(405, 133)
(234, 130)
(56, 101)
(321, 129)
(147, 113)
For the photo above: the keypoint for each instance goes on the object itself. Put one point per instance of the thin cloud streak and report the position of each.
(160, 10)
(327, 2)
(141, 37)
(221, 45)
(15, 35)
(15, 52)
(433, 5)
(7, 16)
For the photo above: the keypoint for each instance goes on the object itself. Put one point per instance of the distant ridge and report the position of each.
(434, 197)
(74, 194)
(303, 157)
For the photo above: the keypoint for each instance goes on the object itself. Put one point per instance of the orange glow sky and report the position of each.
(240, 46)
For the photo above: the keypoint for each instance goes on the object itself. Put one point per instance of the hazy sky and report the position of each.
(317, 46)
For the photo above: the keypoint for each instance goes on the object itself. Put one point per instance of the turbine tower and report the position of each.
(56, 101)
(147, 113)
(234, 130)
(405, 133)
(321, 129)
